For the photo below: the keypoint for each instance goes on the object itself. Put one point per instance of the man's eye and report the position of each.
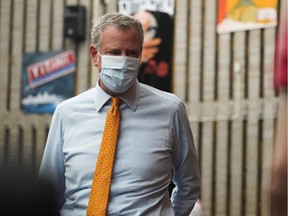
(133, 54)
(114, 53)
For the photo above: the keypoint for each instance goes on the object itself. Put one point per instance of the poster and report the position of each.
(157, 20)
(241, 15)
(47, 80)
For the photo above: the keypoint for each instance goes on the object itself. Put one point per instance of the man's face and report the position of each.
(117, 42)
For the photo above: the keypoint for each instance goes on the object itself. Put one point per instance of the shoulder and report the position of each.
(154, 95)
(78, 102)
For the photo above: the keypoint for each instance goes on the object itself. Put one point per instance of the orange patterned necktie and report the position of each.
(99, 194)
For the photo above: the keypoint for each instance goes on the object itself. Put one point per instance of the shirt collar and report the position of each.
(130, 97)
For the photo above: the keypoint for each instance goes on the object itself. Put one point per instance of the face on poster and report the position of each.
(157, 22)
(241, 15)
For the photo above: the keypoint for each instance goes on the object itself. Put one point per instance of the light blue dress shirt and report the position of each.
(155, 145)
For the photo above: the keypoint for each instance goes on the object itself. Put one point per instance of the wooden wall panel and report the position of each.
(57, 24)
(252, 158)
(207, 151)
(268, 45)
(16, 55)
(236, 169)
(83, 54)
(180, 44)
(221, 168)
(209, 52)
(195, 50)
(237, 131)
(31, 24)
(97, 10)
(222, 90)
(2, 145)
(45, 12)
(27, 141)
(207, 94)
(5, 52)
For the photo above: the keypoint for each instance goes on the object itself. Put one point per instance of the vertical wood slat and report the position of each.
(45, 27)
(57, 25)
(180, 44)
(254, 64)
(195, 50)
(221, 186)
(16, 55)
(251, 193)
(31, 37)
(83, 54)
(239, 60)
(13, 145)
(251, 166)
(223, 69)
(33, 41)
(194, 63)
(39, 145)
(206, 168)
(97, 11)
(236, 169)
(27, 144)
(237, 152)
(208, 95)
(2, 146)
(268, 59)
(268, 119)
(209, 50)
(267, 150)
(5, 42)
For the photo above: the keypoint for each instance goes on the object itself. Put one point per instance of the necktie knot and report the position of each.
(115, 101)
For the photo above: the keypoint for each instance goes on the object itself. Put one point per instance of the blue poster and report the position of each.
(47, 79)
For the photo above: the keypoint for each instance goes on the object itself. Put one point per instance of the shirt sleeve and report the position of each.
(52, 165)
(185, 165)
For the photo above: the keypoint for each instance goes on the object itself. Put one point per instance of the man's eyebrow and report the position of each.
(111, 50)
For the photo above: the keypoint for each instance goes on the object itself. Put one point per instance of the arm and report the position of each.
(52, 165)
(185, 165)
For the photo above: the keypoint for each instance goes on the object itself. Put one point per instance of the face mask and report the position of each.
(119, 73)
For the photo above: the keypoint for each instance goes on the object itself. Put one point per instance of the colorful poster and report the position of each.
(157, 20)
(47, 79)
(241, 15)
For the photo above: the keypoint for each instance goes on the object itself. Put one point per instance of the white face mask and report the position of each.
(118, 73)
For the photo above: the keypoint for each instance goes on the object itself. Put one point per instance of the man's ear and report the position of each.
(93, 54)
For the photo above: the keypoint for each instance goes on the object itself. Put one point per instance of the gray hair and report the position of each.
(117, 20)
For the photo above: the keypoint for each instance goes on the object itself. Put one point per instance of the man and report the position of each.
(154, 145)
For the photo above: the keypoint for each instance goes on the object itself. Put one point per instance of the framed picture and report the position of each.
(47, 80)
(242, 15)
